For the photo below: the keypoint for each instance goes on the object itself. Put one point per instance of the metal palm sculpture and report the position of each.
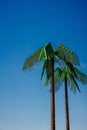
(51, 56)
(69, 75)
(47, 54)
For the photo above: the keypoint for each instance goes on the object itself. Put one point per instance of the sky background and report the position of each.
(24, 27)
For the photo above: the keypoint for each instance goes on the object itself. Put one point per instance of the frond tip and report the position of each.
(32, 59)
(81, 77)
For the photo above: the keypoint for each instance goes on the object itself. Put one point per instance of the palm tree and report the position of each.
(69, 75)
(70, 58)
(47, 54)
(51, 56)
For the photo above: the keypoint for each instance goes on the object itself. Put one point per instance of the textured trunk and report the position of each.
(52, 97)
(66, 105)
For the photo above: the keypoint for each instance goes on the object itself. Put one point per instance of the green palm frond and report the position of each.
(49, 51)
(76, 74)
(71, 77)
(31, 60)
(71, 84)
(71, 69)
(57, 74)
(57, 79)
(64, 73)
(47, 69)
(76, 84)
(70, 72)
(43, 69)
(58, 84)
(66, 54)
(81, 77)
(42, 54)
(59, 62)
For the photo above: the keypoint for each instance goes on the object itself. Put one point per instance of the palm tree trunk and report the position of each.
(52, 97)
(66, 105)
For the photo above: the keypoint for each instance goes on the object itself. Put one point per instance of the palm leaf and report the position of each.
(43, 70)
(60, 63)
(47, 69)
(57, 74)
(70, 76)
(58, 84)
(42, 54)
(66, 54)
(71, 69)
(47, 52)
(57, 79)
(76, 84)
(32, 59)
(81, 77)
(71, 84)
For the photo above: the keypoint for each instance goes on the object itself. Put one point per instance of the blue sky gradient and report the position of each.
(24, 27)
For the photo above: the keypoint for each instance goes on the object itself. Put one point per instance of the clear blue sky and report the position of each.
(24, 27)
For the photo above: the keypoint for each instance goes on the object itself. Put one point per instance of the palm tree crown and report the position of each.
(73, 75)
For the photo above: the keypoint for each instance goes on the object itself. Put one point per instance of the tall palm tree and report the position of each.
(69, 75)
(51, 56)
(46, 53)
